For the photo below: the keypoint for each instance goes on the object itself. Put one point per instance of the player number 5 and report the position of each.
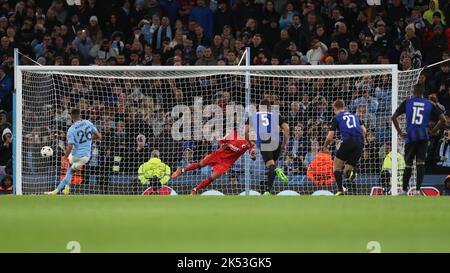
(265, 120)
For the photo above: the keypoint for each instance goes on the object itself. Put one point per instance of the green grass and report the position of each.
(223, 224)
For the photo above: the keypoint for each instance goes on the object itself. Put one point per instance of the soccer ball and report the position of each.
(46, 151)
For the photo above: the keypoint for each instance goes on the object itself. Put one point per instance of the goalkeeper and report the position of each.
(154, 173)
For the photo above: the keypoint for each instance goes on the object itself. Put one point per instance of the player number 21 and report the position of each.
(417, 116)
(350, 121)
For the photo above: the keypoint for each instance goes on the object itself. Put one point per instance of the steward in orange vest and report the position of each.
(77, 177)
(320, 170)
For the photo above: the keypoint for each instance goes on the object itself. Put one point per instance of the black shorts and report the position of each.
(417, 150)
(350, 152)
(271, 155)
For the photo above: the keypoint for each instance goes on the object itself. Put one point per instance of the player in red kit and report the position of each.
(232, 146)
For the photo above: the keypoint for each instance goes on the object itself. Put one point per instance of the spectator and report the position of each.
(321, 35)
(433, 8)
(5, 147)
(83, 44)
(103, 51)
(94, 30)
(341, 35)
(269, 14)
(435, 46)
(6, 185)
(440, 78)
(200, 38)
(382, 39)
(298, 145)
(365, 98)
(244, 10)
(204, 17)
(315, 54)
(164, 31)
(223, 16)
(342, 56)
(207, 58)
(287, 16)
(258, 45)
(444, 150)
(354, 53)
(231, 58)
(396, 11)
(271, 34)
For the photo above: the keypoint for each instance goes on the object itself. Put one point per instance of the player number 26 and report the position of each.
(84, 135)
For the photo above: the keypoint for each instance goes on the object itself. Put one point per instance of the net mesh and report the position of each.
(136, 113)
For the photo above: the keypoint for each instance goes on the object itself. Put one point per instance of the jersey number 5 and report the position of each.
(265, 120)
(350, 121)
(84, 135)
(417, 116)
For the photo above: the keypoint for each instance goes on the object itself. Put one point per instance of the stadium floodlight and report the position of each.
(179, 112)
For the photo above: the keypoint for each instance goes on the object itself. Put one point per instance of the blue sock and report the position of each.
(65, 181)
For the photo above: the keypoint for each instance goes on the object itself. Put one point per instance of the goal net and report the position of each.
(179, 113)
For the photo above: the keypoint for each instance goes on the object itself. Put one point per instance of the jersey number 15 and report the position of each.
(417, 116)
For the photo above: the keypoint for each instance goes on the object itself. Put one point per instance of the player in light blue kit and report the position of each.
(79, 144)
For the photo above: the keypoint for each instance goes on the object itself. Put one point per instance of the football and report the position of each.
(46, 151)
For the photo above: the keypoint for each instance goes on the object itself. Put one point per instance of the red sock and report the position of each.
(191, 167)
(204, 183)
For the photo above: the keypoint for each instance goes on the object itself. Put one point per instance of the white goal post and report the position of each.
(127, 104)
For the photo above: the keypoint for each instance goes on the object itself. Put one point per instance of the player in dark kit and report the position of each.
(265, 125)
(352, 134)
(418, 112)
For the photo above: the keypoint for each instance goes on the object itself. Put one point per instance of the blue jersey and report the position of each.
(349, 126)
(267, 127)
(418, 113)
(80, 135)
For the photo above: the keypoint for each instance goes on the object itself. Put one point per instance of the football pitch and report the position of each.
(224, 224)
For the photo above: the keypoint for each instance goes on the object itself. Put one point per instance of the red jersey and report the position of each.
(232, 146)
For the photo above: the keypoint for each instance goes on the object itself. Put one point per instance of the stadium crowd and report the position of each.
(409, 33)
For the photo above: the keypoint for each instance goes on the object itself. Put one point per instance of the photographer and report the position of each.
(5, 147)
(444, 150)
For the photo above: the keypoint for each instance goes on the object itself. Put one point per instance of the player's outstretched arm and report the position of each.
(328, 140)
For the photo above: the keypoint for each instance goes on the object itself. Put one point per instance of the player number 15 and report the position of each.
(417, 116)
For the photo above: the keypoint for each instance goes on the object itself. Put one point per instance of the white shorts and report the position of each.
(78, 162)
